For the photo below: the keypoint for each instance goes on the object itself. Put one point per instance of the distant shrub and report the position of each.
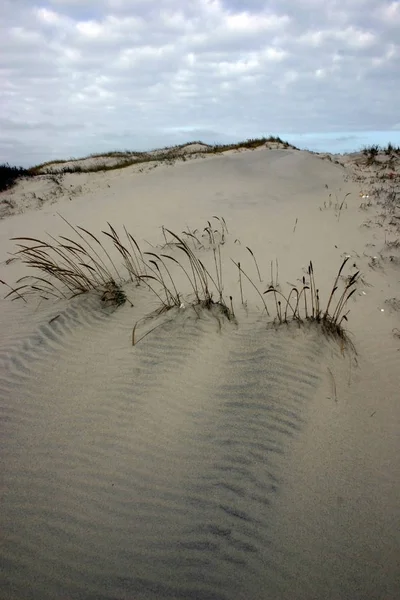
(9, 175)
(390, 149)
(250, 143)
(371, 152)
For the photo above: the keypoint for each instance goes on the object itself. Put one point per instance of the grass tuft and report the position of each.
(72, 267)
(290, 307)
(69, 266)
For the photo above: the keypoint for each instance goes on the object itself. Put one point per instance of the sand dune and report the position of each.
(215, 458)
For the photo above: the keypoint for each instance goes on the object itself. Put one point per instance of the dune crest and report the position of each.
(169, 429)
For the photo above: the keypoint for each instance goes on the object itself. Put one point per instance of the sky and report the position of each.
(84, 76)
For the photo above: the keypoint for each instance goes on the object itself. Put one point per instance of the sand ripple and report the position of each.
(156, 472)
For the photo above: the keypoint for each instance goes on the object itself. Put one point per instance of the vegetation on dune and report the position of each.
(167, 154)
(126, 159)
(9, 175)
(68, 266)
(251, 144)
(76, 266)
(304, 305)
(371, 152)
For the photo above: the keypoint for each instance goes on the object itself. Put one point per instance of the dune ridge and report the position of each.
(216, 457)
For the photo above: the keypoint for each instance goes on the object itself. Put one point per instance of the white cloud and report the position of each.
(48, 17)
(390, 12)
(83, 75)
(238, 67)
(354, 36)
(245, 22)
(273, 54)
(351, 36)
(90, 29)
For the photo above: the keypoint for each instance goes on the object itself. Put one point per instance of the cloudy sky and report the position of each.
(81, 76)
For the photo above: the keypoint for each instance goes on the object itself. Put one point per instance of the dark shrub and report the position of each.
(9, 175)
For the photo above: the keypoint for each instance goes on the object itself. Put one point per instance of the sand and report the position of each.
(214, 458)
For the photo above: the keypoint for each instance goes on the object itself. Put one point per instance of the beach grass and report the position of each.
(74, 265)
(304, 304)
(9, 175)
(67, 266)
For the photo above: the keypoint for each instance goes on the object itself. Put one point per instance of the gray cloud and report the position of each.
(77, 75)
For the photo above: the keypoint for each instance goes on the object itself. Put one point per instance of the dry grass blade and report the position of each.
(135, 248)
(144, 278)
(126, 255)
(194, 263)
(333, 384)
(59, 293)
(91, 235)
(288, 305)
(279, 304)
(224, 228)
(297, 309)
(240, 283)
(44, 291)
(159, 277)
(189, 234)
(334, 288)
(216, 284)
(13, 290)
(255, 262)
(192, 283)
(136, 341)
(224, 222)
(342, 302)
(176, 297)
(253, 284)
(218, 270)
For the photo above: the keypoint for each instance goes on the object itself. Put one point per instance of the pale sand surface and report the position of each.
(212, 459)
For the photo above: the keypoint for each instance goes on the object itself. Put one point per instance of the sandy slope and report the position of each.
(212, 459)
